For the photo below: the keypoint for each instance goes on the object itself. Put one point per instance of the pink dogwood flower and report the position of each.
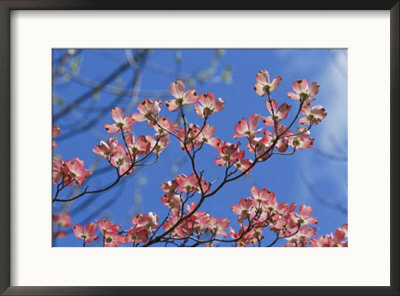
(208, 105)
(338, 237)
(155, 147)
(314, 115)
(164, 126)
(263, 84)
(140, 146)
(106, 226)
(304, 216)
(303, 91)
(149, 111)
(121, 160)
(260, 145)
(173, 201)
(283, 142)
(344, 228)
(171, 222)
(106, 150)
(196, 136)
(148, 222)
(247, 129)
(190, 183)
(188, 138)
(237, 235)
(87, 234)
(170, 186)
(137, 235)
(230, 153)
(244, 209)
(243, 164)
(202, 221)
(279, 113)
(56, 133)
(217, 227)
(63, 220)
(59, 170)
(177, 89)
(187, 228)
(121, 122)
(302, 140)
(205, 136)
(60, 234)
(76, 171)
(112, 239)
(262, 195)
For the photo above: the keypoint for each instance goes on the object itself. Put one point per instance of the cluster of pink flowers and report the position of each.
(230, 154)
(337, 239)
(109, 232)
(62, 220)
(281, 136)
(305, 237)
(69, 172)
(304, 92)
(112, 235)
(124, 156)
(56, 132)
(196, 137)
(185, 222)
(262, 210)
(182, 184)
(255, 214)
(197, 224)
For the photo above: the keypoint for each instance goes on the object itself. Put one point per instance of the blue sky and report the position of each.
(316, 177)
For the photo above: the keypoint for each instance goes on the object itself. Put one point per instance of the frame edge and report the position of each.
(5, 189)
(394, 147)
(5, 147)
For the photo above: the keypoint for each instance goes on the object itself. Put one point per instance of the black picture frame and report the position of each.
(6, 7)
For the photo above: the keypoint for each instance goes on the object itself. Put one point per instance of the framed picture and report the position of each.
(217, 149)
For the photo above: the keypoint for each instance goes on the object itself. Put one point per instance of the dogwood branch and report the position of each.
(116, 181)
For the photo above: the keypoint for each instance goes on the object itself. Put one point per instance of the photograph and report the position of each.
(199, 147)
